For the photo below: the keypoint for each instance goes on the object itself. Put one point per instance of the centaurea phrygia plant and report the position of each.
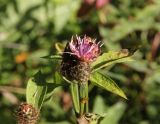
(78, 55)
(80, 62)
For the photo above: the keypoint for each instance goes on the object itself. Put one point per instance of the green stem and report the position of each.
(83, 92)
(79, 92)
(86, 90)
(75, 97)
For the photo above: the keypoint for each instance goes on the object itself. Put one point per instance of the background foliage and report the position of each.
(30, 29)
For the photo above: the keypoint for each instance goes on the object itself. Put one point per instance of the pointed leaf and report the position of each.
(57, 81)
(112, 57)
(106, 83)
(56, 57)
(50, 90)
(36, 90)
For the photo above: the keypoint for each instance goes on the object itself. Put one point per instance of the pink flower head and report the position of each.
(85, 49)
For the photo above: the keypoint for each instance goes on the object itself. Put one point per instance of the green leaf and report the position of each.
(114, 113)
(99, 105)
(56, 57)
(75, 96)
(59, 47)
(36, 90)
(106, 83)
(50, 90)
(58, 79)
(83, 93)
(112, 57)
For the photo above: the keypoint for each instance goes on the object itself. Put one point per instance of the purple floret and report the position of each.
(85, 49)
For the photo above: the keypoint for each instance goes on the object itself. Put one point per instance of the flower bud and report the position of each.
(27, 114)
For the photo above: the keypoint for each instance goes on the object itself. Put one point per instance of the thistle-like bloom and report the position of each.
(77, 56)
(85, 49)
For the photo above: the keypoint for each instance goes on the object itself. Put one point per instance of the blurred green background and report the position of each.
(29, 29)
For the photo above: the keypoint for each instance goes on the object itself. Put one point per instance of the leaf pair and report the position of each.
(38, 90)
(106, 59)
